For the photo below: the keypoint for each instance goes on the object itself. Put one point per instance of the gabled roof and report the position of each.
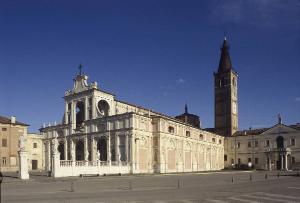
(265, 130)
(5, 120)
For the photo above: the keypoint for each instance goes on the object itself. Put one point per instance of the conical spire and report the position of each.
(186, 108)
(225, 62)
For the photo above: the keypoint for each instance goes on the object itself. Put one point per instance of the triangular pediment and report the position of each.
(279, 129)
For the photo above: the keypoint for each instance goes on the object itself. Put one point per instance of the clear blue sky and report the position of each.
(156, 54)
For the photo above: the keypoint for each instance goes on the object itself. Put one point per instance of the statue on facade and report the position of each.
(98, 155)
(22, 141)
(86, 158)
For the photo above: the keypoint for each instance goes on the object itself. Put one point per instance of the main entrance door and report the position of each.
(34, 164)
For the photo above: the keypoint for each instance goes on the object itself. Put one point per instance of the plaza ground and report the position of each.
(225, 186)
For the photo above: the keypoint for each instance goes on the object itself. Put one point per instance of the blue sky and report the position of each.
(157, 54)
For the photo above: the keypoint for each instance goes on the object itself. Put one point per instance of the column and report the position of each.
(281, 156)
(132, 160)
(86, 112)
(108, 150)
(126, 148)
(286, 162)
(48, 156)
(66, 113)
(86, 152)
(93, 108)
(73, 117)
(117, 150)
(66, 149)
(93, 149)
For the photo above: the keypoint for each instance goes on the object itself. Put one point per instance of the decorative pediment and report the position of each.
(279, 129)
(80, 83)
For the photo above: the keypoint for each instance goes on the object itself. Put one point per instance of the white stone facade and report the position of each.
(102, 135)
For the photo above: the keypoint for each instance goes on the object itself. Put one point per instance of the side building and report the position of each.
(10, 131)
(273, 148)
(101, 135)
(36, 152)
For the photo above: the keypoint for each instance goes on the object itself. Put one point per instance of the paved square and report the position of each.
(218, 187)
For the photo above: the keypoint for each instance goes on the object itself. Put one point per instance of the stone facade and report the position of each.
(10, 131)
(274, 148)
(35, 152)
(101, 134)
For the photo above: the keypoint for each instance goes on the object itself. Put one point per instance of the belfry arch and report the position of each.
(79, 114)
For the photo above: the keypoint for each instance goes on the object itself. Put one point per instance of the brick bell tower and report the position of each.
(226, 110)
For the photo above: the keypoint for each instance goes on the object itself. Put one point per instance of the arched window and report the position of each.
(213, 140)
(188, 133)
(103, 108)
(201, 137)
(171, 129)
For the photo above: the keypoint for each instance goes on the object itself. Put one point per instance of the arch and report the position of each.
(79, 150)
(61, 150)
(103, 108)
(102, 148)
(79, 114)
(280, 142)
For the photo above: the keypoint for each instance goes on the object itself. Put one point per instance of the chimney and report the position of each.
(13, 119)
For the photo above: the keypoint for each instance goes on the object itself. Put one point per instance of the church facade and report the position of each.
(103, 135)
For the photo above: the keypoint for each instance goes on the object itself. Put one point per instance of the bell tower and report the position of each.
(226, 100)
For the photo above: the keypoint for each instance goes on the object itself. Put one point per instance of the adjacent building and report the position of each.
(273, 148)
(35, 152)
(10, 131)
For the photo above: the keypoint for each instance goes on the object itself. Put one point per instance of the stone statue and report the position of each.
(86, 158)
(22, 141)
(98, 155)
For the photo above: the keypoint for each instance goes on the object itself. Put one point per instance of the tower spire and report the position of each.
(185, 108)
(225, 61)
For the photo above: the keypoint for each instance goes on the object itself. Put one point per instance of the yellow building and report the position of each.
(10, 131)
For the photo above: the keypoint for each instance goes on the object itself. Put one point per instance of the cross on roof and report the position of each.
(80, 69)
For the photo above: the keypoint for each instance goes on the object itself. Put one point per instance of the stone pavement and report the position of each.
(198, 187)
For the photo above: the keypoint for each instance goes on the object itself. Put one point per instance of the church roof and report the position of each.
(5, 120)
(225, 61)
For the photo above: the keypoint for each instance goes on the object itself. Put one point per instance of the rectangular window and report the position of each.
(238, 145)
(292, 142)
(267, 143)
(256, 143)
(256, 160)
(4, 142)
(35, 145)
(4, 129)
(249, 160)
(220, 141)
(214, 140)
(239, 161)
(232, 161)
(225, 157)
(249, 144)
